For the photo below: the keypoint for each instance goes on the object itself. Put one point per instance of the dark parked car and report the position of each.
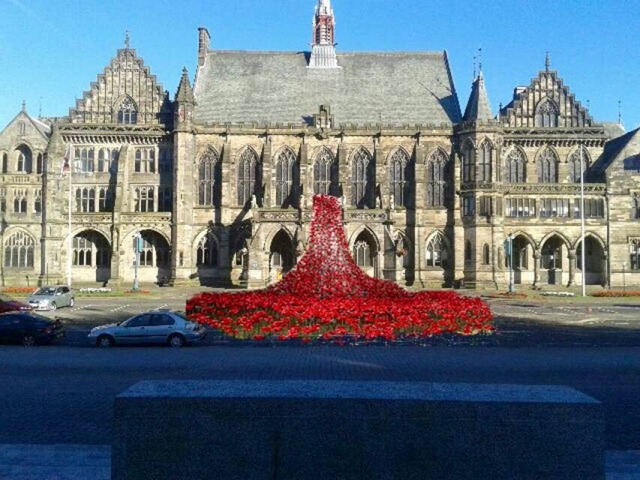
(8, 304)
(29, 329)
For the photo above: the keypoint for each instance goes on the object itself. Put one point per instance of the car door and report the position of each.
(162, 326)
(135, 330)
(66, 296)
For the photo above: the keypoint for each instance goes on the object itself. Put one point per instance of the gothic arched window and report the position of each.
(548, 167)
(436, 252)
(575, 173)
(363, 177)
(144, 199)
(468, 160)
(547, 114)
(486, 254)
(435, 179)
(23, 159)
(210, 179)
(19, 251)
(20, 201)
(128, 112)
(145, 160)
(325, 174)
(483, 173)
(635, 207)
(249, 176)
(207, 254)
(401, 178)
(362, 254)
(86, 200)
(155, 250)
(84, 160)
(5, 163)
(516, 167)
(286, 178)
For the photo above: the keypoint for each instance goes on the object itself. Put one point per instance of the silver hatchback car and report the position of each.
(51, 298)
(170, 328)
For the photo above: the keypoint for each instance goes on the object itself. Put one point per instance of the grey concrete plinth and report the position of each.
(309, 430)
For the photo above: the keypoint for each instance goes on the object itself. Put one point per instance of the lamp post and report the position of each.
(624, 282)
(137, 243)
(582, 250)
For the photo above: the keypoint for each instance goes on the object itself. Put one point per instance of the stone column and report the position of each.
(536, 267)
(572, 267)
(267, 175)
(344, 176)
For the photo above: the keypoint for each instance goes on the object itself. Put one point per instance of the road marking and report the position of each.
(117, 309)
(160, 308)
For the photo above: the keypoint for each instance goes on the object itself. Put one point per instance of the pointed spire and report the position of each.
(24, 106)
(323, 51)
(547, 63)
(126, 40)
(185, 92)
(478, 107)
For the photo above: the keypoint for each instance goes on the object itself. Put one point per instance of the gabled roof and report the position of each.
(41, 127)
(277, 87)
(478, 106)
(616, 149)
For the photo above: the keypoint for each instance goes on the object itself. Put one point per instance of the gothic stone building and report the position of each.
(218, 181)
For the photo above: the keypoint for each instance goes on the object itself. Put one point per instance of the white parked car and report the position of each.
(51, 298)
(169, 328)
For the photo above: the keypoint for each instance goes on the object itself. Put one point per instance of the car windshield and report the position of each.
(46, 291)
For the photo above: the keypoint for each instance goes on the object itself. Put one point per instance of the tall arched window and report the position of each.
(635, 207)
(548, 167)
(468, 161)
(325, 174)
(5, 163)
(19, 251)
(516, 167)
(39, 163)
(547, 114)
(362, 254)
(486, 254)
(155, 250)
(24, 159)
(107, 160)
(363, 177)
(575, 173)
(401, 178)
(145, 160)
(286, 178)
(20, 201)
(249, 176)
(210, 179)
(207, 254)
(483, 173)
(128, 112)
(435, 179)
(437, 252)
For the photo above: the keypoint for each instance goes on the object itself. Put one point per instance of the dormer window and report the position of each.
(547, 114)
(128, 112)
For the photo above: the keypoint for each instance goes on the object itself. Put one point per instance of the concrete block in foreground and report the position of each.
(306, 430)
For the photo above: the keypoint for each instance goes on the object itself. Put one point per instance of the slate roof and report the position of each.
(612, 150)
(271, 87)
(478, 106)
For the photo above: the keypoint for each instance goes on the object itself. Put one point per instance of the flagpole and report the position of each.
(69, 239)
(583, 249)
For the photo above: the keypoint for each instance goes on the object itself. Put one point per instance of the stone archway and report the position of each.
(365, 253)
(90, 257)
(595, 262)
(155, 258)
(523, 260)
(281, 255)
(554, 260)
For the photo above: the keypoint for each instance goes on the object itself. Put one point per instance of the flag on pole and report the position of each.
(67, 161)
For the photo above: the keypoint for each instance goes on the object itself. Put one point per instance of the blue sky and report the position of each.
(51, 50)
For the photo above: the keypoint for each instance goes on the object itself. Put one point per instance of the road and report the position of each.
(62, 394)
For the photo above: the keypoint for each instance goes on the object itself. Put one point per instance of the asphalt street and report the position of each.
(64, 395)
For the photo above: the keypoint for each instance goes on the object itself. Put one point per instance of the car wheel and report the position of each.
(105, 341)
(28, 340)
(176, 341)
(53, 307)
(72, 302)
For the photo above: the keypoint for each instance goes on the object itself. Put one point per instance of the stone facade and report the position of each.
(219, 181)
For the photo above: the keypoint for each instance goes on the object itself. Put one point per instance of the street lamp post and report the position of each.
(624, 280)
(137, 241)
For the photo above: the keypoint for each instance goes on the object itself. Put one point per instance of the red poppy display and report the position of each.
(327, 296)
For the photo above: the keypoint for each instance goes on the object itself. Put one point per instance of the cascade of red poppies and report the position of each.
(328, 296)
(327, 268)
